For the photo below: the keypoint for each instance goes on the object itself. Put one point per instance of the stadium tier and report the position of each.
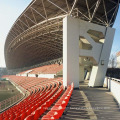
(37, 35)
(48, 71)
(43, 93)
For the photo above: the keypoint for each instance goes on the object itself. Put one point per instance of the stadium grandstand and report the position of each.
(36, 36)
(56, 49)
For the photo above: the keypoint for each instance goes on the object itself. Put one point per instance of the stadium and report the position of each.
(53, 48)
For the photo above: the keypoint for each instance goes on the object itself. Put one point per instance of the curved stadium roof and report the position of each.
(36, 35)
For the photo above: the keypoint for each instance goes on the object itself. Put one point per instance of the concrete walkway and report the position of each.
(92, 103)
(102, 102)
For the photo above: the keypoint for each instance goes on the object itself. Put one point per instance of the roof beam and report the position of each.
(20, 27)
(57, 6)
(105, 12)
(67, 5)
(44, 9)
(33, 15)
(114, 13)
(26, 21)
(23, 23)
(96, 7)
(88, 9)
(38, 13)
(29, 19)
(74, 4)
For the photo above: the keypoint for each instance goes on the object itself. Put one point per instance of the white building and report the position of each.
(118, 59)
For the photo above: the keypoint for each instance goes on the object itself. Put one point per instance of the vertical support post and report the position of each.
(99, 72)
(72, 30)
(70, 52)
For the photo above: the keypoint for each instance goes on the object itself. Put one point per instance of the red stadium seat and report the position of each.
(58, 109)
(30, 117)
(43, 93)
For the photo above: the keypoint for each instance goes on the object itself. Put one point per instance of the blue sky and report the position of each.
(116, 43)
(9, 12)
(11, 9)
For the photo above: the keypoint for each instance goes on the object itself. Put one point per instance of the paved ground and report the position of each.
(77, 108)
(102, 102)
(92, 103)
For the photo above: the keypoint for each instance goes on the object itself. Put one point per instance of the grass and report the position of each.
(7, 90)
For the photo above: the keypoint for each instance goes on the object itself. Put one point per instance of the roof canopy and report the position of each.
(36, 35)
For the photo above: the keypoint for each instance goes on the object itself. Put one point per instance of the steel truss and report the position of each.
(38, 30)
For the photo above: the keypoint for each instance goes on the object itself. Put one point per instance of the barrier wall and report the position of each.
(113, 85)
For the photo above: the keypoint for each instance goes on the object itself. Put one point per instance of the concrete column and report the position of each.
(89, 75)
(70, 52)
(72, 30)
(81, 73)
(99, 71)
(86, 78)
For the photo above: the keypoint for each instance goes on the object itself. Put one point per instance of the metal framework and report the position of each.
(36, 35)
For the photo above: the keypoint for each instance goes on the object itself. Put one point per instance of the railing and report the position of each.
(10, 101)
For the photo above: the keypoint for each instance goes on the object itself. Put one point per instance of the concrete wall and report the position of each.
(114, 86)
(46, 75)
(24, 75)
(118, 61)
(31, 75)
(40, 75)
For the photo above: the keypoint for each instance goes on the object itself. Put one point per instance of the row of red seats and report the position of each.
(23, 105)
(26, 82)
(40, 100)
(40, 110)
(47, 69)
(38, 97)
(58, 109)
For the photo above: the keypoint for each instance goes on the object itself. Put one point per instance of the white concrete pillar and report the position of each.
(81, 73)
(70, 52)
(72, 30)
(86, 78)
(89, 75)
(99, 71)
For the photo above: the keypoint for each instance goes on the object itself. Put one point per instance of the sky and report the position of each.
(116, 42)
(10, 11)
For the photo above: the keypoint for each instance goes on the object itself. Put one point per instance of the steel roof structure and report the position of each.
(36, 35)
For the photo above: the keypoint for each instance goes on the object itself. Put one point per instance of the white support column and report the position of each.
(86, 78)
(88, 75)
(99, 72)
(72, 30)
(70, 52)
